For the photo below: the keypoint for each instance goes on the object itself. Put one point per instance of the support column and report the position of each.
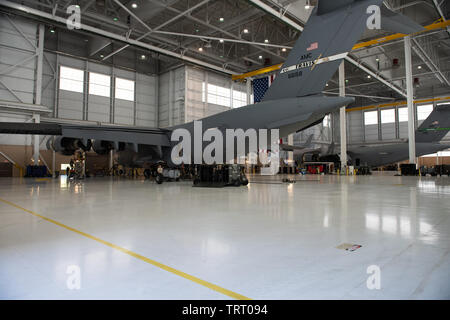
(38, 89)
(37, 119)
(410, 99)
(291, 153)
(39, 64)
(342, 120)
(111, 159)
(171, 97)
(53, 164)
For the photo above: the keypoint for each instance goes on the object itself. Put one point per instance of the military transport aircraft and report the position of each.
(293, 102)
(428, 140)
(428, 137)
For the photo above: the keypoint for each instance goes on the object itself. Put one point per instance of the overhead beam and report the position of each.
(150, 30)
(221, 39)
(441, 13)
(376, 76)
(398, 104)
(429, 62)
(280, 15)
(213, 27)
(114, 36)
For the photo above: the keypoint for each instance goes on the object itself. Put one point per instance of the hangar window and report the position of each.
(424, 111)
(99, 84)
(219, 95)
(370, 117)
(239, 99)
(71, 79)
(403, 114)
(388, 116)
(124, 89)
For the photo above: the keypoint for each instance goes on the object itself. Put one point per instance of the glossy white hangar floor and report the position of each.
(132, 239)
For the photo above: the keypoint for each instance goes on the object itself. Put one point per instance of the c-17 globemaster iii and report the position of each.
(293, 102)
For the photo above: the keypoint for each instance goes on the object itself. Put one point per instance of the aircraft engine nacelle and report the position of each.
(102, 146)
(68, 146)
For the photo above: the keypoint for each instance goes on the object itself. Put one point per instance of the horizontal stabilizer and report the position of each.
(398, 23)
(436, 126)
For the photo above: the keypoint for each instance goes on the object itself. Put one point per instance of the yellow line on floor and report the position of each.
(179, 273)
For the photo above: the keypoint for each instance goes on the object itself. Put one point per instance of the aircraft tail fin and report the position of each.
(436, 126)
(332, 30)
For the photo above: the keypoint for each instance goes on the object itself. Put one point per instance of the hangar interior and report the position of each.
(158, 64)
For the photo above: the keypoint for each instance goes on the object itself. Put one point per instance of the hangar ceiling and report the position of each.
(239, 36)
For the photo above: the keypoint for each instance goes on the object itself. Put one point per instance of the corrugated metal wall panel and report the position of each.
(18, 52)
(49, 82)
(123, 112)
(146, 100)
(355, 125)
(98, 108)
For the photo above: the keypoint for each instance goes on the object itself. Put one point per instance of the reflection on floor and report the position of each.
(269, 240)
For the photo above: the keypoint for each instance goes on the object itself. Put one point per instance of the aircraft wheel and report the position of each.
(244, 181)
(159, 179)
(237, 182)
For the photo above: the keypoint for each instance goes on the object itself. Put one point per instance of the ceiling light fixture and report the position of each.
(419, 67)
(200, 49)
(284, 49)
(246, 31)
(266, 41)
(143, 57)
(221, 41)
(221, 19)
(134, 5)
(260, 57)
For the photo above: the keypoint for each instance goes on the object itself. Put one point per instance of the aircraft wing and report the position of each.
(148, 136)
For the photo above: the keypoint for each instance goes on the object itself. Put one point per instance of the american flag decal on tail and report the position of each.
(313, 46)
(260, 86)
